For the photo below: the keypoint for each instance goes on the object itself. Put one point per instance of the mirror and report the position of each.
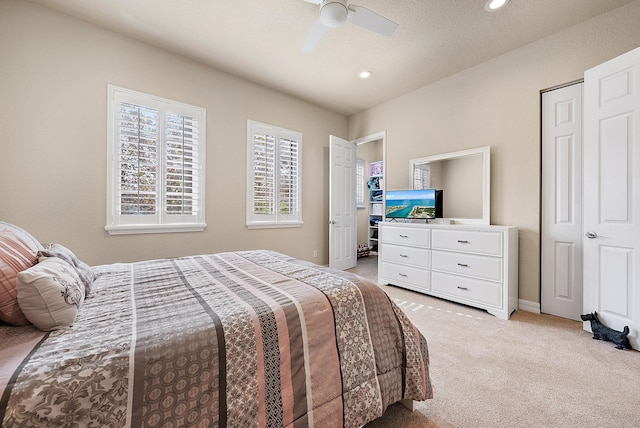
(463, 177)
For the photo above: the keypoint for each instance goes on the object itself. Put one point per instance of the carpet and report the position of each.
(531, 370)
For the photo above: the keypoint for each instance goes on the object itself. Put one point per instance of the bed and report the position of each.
(238, 339)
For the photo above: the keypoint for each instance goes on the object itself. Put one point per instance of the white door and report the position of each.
(612, 193)
(561, 276)
(342, 204)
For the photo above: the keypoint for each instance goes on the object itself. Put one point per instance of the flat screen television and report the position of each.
(410, 204)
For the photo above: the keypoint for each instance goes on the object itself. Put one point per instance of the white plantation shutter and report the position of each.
(288, 183)
(360, 203)
(263, 170)
(156, 164)
(138, 159)
(422, 177)
(182, 159)
(273, 176)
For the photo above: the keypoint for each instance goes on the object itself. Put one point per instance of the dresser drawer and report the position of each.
(413, 256)
(484, 267)
(489, 243)
(405, 236)
(472, 290)
(392, 273)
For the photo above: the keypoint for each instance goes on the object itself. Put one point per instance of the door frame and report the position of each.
(378, 136)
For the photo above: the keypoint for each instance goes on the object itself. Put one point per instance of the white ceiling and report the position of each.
(260, 40)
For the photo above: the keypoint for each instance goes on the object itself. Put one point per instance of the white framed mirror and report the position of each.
(464, 178)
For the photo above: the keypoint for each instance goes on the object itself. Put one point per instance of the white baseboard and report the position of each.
(528, 306)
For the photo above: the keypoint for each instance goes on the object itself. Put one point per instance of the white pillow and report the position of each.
(50, 293)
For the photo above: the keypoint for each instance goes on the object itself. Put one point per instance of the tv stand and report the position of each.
(473, 265)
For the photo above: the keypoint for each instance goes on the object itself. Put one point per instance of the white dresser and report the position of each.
(474, 265)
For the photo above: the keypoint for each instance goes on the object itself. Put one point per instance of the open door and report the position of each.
(342, 204)
(611, 203)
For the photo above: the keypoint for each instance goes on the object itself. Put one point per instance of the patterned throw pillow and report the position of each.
(50, 293)
(18, 251)
(84, 271)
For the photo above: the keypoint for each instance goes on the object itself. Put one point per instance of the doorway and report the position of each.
(370, 151)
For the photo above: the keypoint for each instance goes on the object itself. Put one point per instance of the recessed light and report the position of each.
(493, 5)
(364, 74)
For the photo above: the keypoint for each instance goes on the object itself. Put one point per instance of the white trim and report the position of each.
(132, 229)
(382, 135)
(160, 221)
(528, 306)
(273, 224)
(274, 219)
(485, 152)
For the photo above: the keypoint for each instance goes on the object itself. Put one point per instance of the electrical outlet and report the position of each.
(315, 253)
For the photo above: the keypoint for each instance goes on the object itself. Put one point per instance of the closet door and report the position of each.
(561, 263)
(611, 189)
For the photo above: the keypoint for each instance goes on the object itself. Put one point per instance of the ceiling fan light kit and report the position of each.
(333, 13)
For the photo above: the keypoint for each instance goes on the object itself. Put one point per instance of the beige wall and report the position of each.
(54, 72)
(498, 104)
(53, 76)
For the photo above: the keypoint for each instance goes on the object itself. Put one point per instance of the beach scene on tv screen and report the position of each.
(410, 204)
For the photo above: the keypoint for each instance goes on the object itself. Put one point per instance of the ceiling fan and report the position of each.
(335, 13)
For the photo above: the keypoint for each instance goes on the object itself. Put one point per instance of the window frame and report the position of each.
(161, 221)
(276, 219)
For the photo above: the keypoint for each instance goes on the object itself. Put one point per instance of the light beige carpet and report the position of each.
(530, 371)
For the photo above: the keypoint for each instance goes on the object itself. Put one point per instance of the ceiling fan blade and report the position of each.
(363, 17)
(314, 37)
(314, 1)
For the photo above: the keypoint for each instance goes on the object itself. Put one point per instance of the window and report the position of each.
(422, 177)
(155, 173)
(360, 183)
(274, 158)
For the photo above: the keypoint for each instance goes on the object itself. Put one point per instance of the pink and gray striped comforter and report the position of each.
(238, 339)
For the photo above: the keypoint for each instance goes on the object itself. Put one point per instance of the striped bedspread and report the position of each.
(242, 339)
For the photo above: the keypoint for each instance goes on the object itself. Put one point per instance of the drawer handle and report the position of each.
(404, 275)
(462, 288)
(404, 236)
(463, 264)
(463, 241)
(404, 255)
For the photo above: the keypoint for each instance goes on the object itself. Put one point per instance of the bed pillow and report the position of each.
(84, 271)
(50, 293)
(18, 251)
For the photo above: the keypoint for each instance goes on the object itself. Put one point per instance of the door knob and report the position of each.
(591, 235)
(332, 222)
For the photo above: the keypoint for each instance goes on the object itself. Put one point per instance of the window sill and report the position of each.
(134, 229)
(273, 224)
